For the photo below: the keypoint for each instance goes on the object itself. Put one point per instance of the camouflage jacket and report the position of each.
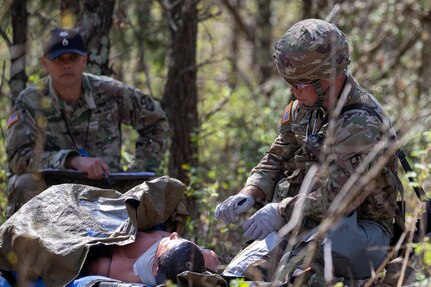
(44, 130)
(357, 132)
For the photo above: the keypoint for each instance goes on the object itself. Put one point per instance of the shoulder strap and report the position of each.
(420, 193)
(360, 106)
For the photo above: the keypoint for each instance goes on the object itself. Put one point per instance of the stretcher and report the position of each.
(87, 281)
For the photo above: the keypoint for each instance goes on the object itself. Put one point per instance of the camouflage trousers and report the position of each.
(355, 248)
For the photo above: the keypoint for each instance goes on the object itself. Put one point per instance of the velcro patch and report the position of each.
(287, 115)
(12, 119)
(356, 160)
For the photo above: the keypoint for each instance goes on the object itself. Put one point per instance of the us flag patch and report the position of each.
(12, 119)
(287, 115)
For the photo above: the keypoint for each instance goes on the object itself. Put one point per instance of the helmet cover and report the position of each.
(311, 49)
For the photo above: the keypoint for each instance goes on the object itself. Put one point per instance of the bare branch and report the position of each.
(5, 37)
(249, 35)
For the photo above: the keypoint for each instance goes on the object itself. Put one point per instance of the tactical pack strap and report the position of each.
(320, 93)
(361, 107)
(420, 193)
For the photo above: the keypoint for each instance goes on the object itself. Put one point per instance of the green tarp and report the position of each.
(49, 237)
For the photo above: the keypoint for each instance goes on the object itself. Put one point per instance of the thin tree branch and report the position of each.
(249, 35)
(5, 37)
(397, 58)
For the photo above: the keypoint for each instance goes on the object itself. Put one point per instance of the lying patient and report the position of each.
(152, 259)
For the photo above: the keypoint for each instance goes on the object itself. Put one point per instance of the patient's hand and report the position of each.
(211, 259)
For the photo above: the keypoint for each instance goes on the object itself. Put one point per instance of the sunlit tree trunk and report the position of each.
(180, 95)
(95, 23)
(144, 23)
(258, 34)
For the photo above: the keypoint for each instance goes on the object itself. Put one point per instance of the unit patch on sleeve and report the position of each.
(12, 119)
(287, 115)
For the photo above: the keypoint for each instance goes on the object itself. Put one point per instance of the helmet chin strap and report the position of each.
(317, 108)
(321, 95)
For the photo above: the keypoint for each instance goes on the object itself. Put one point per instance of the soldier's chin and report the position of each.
(305, 104)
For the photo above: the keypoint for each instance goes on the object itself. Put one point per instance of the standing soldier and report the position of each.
(72, 120)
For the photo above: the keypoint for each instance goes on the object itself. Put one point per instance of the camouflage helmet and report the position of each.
(310, 50)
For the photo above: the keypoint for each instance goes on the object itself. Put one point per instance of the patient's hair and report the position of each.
(185, 256)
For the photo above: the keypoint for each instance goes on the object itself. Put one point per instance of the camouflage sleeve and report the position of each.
(356, 134)
(272, 166)
(25, 143)
(57, 159)
(149, 120)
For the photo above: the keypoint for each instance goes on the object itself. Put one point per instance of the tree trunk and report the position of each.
(144, 23)
(180, 95)
(94, 24)
(263, 42)
(18, 77)
(234, 48)
(424, 70)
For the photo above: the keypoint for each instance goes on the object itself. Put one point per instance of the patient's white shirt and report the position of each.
(143, 267)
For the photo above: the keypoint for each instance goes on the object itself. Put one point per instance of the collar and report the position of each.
(63, 105)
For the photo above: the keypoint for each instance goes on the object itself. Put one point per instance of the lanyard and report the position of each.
(82, 151)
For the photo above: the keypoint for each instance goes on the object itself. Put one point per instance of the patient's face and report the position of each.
(168, 242)
(165, 245)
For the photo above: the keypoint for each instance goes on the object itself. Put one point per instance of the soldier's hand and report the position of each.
(94, 167)
(263, 222)
(234, 205)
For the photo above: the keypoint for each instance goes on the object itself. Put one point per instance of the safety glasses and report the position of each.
(301, 86)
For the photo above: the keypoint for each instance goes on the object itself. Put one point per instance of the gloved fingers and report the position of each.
(251, 228)
(228, 215)
(232, 206)
(267, 229)
(257, 233)
(217, 210)
(224, 210)
(241, 207)
(251, 231)
(248, 223)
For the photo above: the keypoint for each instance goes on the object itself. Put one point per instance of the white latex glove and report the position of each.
(234, 205)
(263, 222)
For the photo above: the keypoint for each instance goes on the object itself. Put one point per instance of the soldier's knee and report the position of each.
(22, 188)
(28, 183)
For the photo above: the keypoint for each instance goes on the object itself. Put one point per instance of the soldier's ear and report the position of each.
(43, 62)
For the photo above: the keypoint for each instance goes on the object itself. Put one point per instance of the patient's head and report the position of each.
(168, 257)
(183, 255)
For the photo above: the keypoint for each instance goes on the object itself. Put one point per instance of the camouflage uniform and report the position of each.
(357, 132)
(312, 50)
(44, 130)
